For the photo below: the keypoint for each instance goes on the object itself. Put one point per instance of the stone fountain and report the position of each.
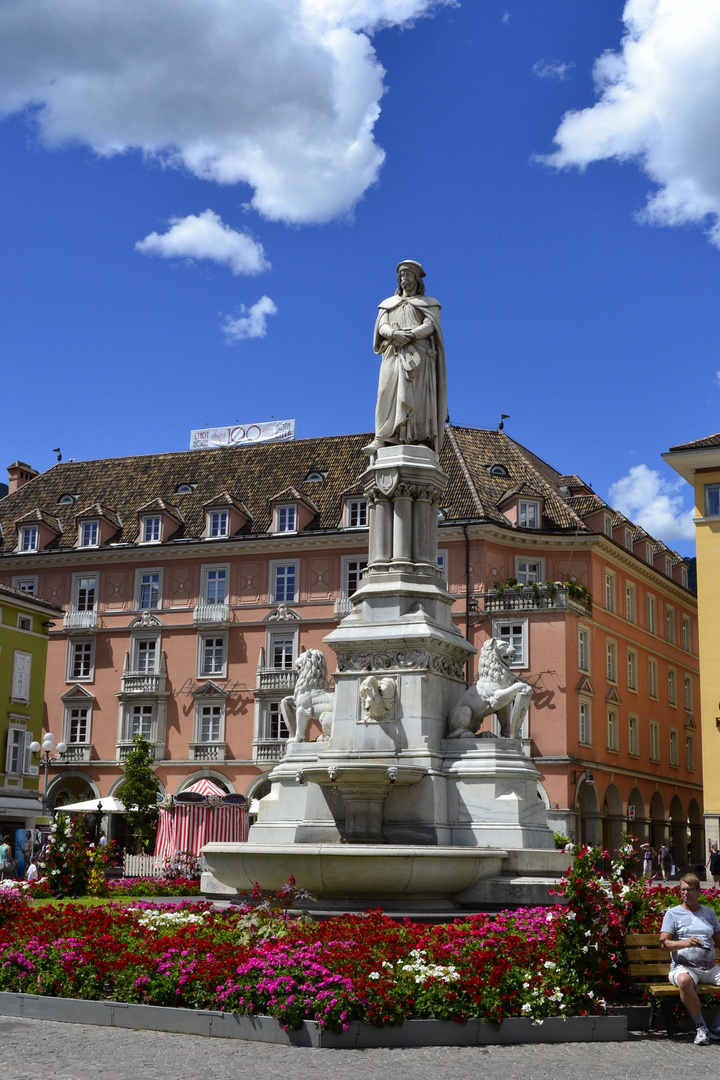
(399, 803)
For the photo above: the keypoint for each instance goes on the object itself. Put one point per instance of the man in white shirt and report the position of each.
(691, 932)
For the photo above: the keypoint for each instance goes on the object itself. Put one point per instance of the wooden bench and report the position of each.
(649, 965)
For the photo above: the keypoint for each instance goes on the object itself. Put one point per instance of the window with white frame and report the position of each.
(215, 584)
(89, 533)
(652, 678)
(672, 687)
(286, 518)
(84, 592)
(684, 577)
(632, 669)
(669, 624)
(356, 514)
(529, 570)
(282, 651)
(633, 736)
(690, 751)
(528, 514)
(17, 755)
(654, 740)
(80, 659)
(209, 722)
(24, 622)
(515, 633)
(442, 561)
(218, 523)
(352, 569)
(276, 727)
(649, 554)
(583, 648)
(283, 577)
(686, 633)
(607, 525)
(149, 589)
(613, 733)
(77, 724)
(630, 602)
(609, 591)
(674, 748)
(668, 566)
(26, 585)
(141, 723)
(687, 693)
(22, 665)
(212, 655)
(146, 652)
(28, 538)
(611, 661)
(584, 722)
(628, 540)
(151, 529)
(712, 500)
(651, 613)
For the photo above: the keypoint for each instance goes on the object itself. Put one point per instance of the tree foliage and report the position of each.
(139, 791)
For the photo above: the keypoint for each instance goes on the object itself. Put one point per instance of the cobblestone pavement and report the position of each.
(32, 1048)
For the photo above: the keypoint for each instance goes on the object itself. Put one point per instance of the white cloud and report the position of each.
(552, 69)
(648, 500)
(282, 95)
(659, 102)
(251, 323)
(205, 236)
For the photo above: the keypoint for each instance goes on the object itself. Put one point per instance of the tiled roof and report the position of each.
(252, 476)
(28, 598)
(699, 444)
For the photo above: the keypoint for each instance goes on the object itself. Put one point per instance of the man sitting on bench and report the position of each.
(690, 933)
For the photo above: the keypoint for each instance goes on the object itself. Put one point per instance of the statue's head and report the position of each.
(410, 276)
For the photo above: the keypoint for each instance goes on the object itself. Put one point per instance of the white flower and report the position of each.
(374, 975)
(571, 915)
(591, 994)
(549, 965)
(584, 948)
(526, 1008)
(526, 985)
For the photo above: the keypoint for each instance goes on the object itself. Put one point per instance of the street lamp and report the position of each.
(47, 746)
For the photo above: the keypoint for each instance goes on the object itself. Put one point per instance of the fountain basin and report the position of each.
(382, 872)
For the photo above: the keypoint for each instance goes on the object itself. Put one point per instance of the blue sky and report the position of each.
(241, 146)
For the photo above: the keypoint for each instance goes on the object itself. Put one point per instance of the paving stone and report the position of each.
(32, 1048)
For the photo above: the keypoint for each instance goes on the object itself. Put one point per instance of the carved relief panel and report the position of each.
(249, 583)
(182, 593)
(319, 571)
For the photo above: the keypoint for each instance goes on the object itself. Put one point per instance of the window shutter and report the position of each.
(9, 752)
(21, 676)
(27, 756)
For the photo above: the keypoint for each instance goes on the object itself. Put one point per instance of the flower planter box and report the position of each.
(358, 1036)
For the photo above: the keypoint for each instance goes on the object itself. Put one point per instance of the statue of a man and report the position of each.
(412, 393)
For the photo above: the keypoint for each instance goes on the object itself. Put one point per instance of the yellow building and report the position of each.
(699, 464)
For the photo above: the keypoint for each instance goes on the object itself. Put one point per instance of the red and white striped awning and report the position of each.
(186, 828)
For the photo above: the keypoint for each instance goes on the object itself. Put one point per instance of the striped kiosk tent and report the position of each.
(198, 815)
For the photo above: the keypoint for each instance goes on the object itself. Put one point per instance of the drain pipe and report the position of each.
(467, 599)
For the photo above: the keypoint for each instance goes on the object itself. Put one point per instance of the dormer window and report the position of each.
(497, 470)
(315, 477)
(286, 518)
(628, 540)
(185, 489)
(89, 533)
(607, 525)
(649, 554)
(684, 577)
(528, 514)
(28, 538)
(356, 514)
(67, 499)
(151, 529)
(218, 523)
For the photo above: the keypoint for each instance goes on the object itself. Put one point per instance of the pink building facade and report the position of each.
(190, 583)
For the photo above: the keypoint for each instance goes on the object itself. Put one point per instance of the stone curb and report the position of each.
(413, 1033)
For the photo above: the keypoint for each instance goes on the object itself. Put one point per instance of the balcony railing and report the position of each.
(343, 606)
(207, 751)
(211, 615)
(76, 754)
(269, 749)
(80, 620)
(277, 679)
(534, 597)
(142, 682)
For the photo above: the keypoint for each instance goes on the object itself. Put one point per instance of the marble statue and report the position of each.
(412, 390)
(497, 690)
(312, 698)
(377, 698)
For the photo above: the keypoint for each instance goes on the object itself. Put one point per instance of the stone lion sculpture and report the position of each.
(377, 697)
(497, 690)
(312, 698)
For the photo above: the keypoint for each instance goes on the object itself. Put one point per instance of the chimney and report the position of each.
(18, 474)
